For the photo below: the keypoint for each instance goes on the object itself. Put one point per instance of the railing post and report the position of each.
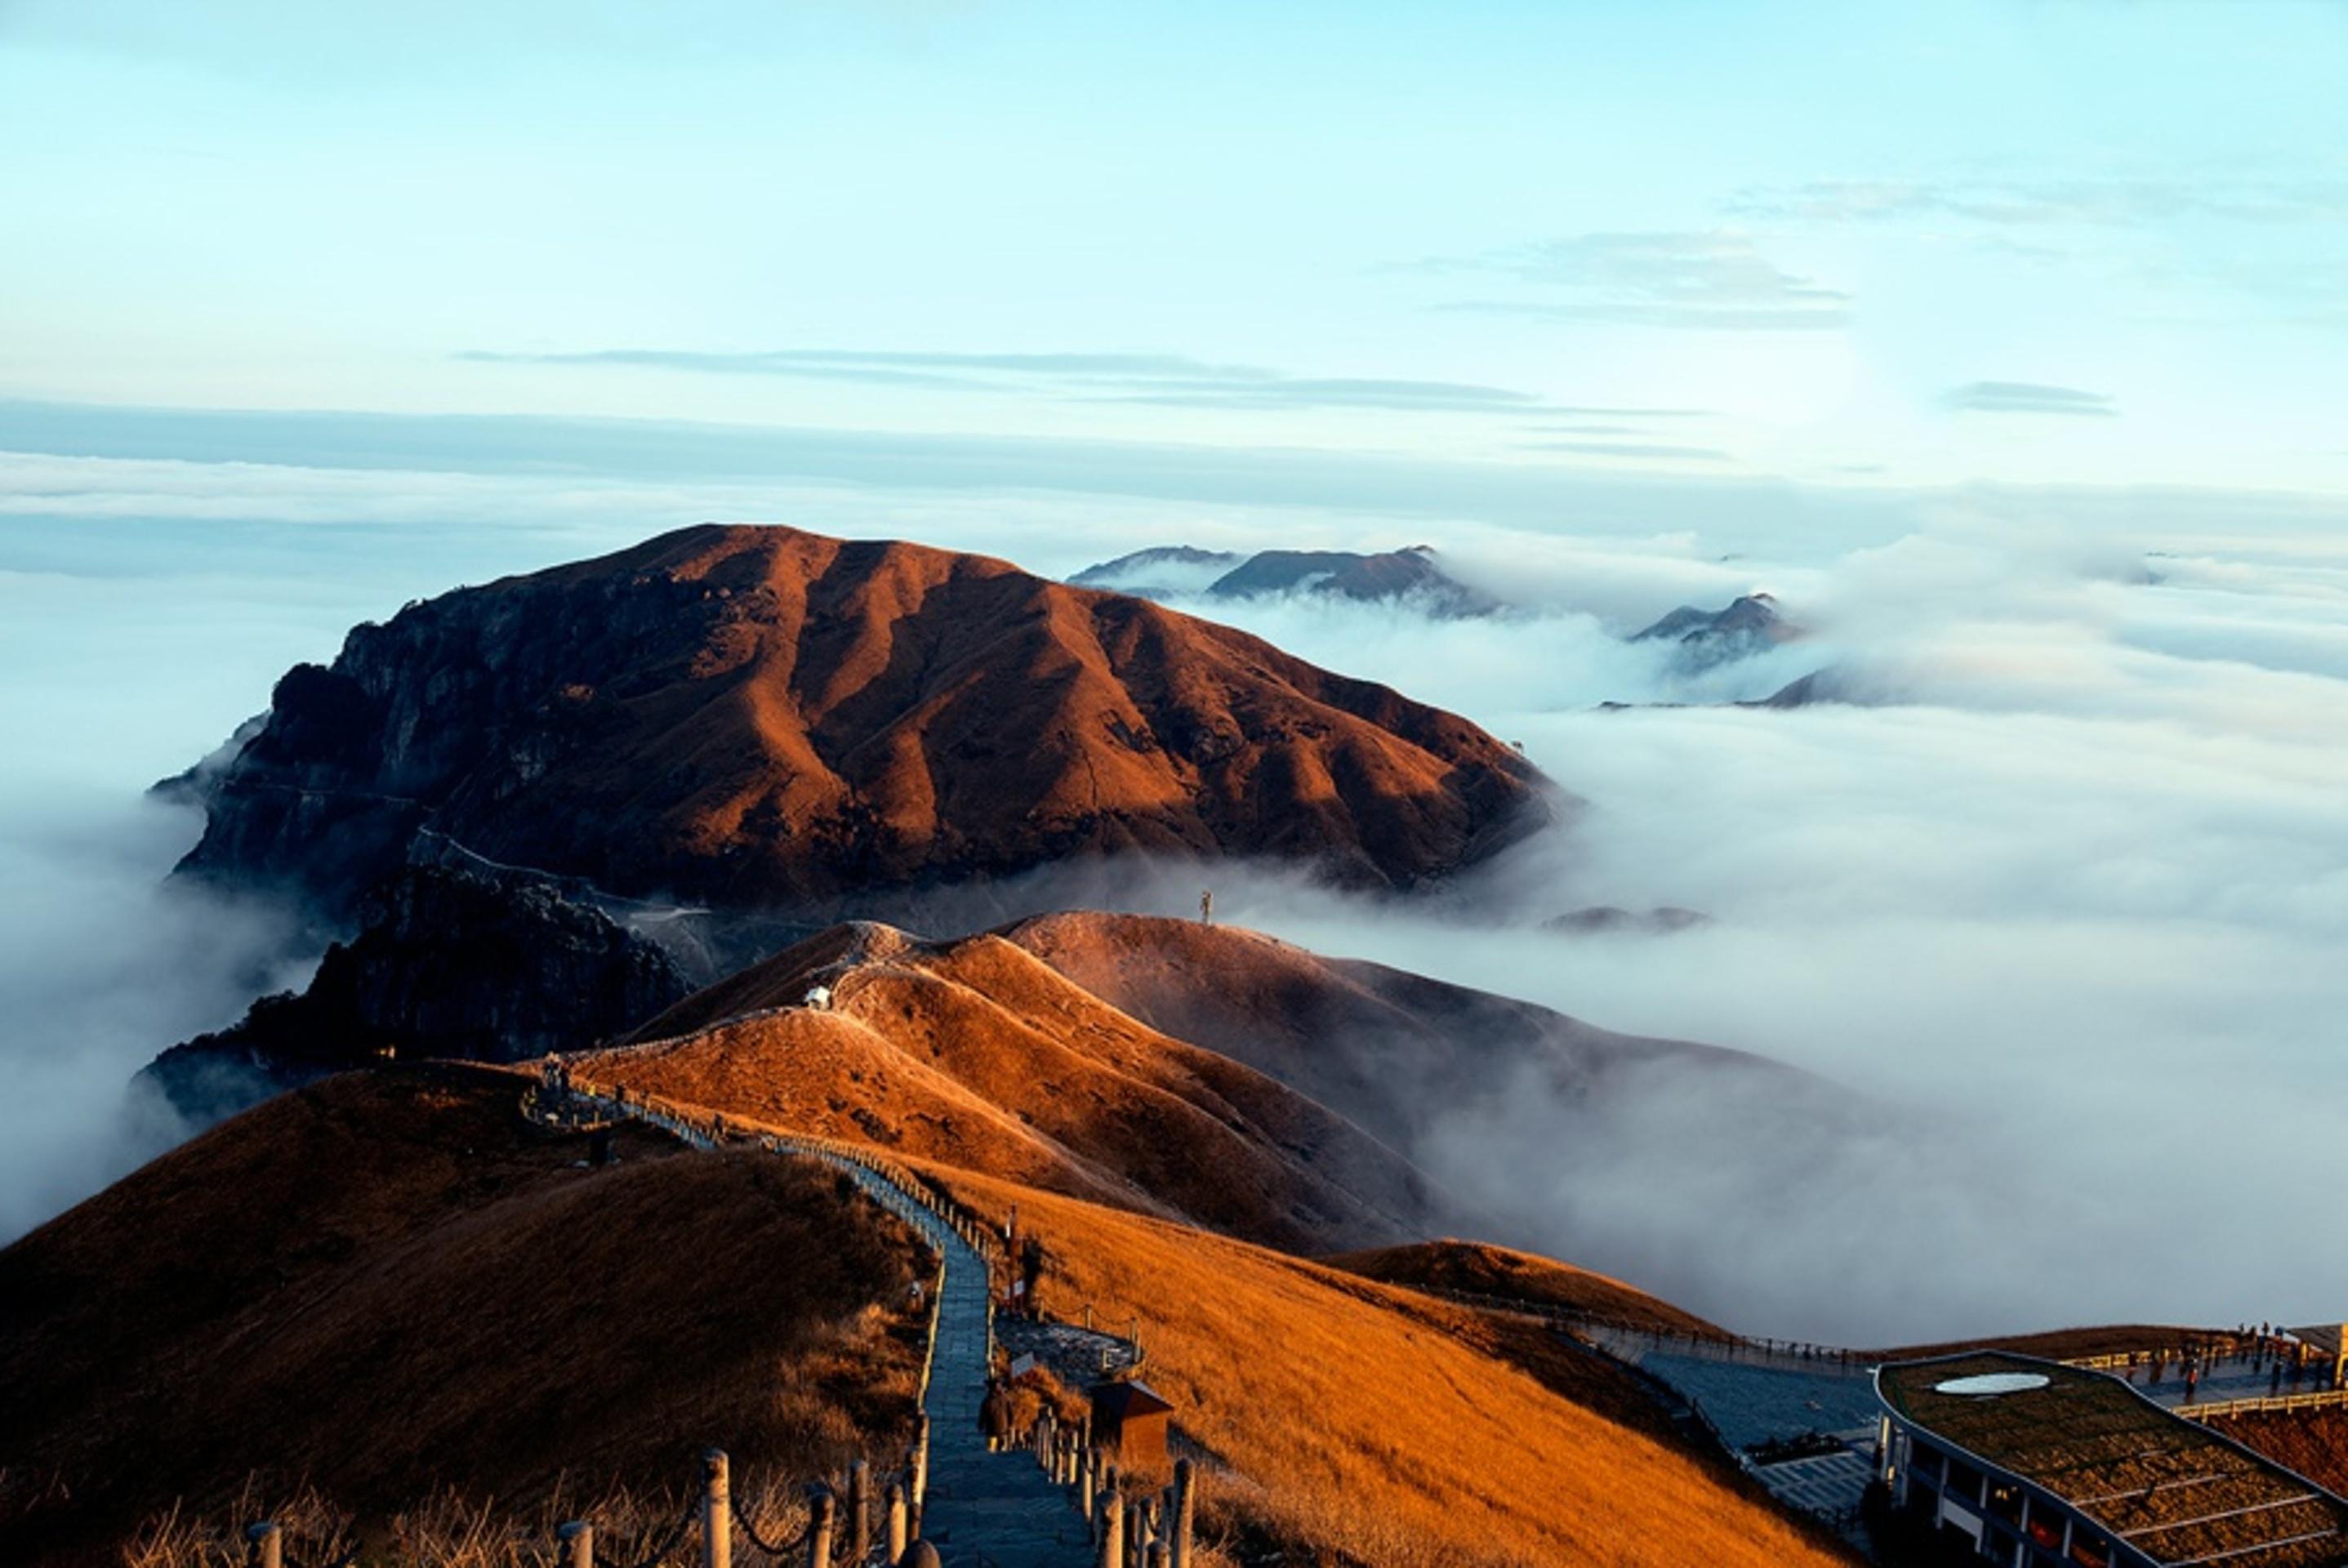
(921, 1466)
(859, 1511)
(1185, 1510)
(896, 1523)
(268, 1543)
(1112, 1532)
(717, 1525)
(577, 1540)
(1087, 1480)
(819, 1510)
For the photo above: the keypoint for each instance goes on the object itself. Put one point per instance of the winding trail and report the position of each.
(983, 1509)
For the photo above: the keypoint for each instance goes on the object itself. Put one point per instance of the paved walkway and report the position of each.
(984, 1511)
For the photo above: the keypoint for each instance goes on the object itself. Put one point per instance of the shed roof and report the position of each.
(2170, 1488)
(2324, 1337)
(1126, 1400)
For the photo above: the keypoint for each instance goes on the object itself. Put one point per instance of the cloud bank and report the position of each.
(2061, 899)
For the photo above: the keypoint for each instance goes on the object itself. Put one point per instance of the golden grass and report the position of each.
(1366, 1425)
(387, 1283)
(978, 1054)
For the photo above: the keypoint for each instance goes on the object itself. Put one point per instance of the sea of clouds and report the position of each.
(2062, 895)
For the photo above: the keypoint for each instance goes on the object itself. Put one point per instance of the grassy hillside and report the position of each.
(978, 1054)
(386, 1283)
(1380, 1425)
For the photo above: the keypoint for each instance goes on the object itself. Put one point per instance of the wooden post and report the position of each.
(716, 1524)
(1112, 1532)
(1157, 1554)
(577, 1540)
(921, 1467)
(896, 1524)
(819, 1508)
(1186, 1508)
(1087, 1480)
(859, 1511)
(268, 1543)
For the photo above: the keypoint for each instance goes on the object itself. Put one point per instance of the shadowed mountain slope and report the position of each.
(1386, 1048)
(388, 1283)
(976, 1054)
(1480, 1269)
(765, 716)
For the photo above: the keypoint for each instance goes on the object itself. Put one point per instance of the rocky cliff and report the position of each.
(447, 964)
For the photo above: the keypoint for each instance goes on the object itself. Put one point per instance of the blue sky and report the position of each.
(2003, 341)
(2095, 243)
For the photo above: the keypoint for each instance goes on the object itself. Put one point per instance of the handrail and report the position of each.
(2262, 1404)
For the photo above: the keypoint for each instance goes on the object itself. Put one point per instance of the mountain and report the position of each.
(1160, 571)
(1389, 1050)
(448, 963)
(762, 716)
(1346, 574)
(1414, 572)
(1749, 625)
(977, 1054)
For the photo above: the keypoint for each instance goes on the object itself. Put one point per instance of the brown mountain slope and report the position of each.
(760, 716)
(1379, 1423)
(1383, 1048)
(974, 1053)
(388, 1283)
(1480, 1269)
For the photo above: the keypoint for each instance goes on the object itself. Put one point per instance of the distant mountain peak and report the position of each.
(1414, 572)
(1748, 625)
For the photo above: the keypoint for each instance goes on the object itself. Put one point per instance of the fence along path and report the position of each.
(980, 1510)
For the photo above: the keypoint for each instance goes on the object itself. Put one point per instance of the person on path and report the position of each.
(994, 1417)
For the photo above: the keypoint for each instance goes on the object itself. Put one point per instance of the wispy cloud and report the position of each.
(1655, 451)
(2028, 397)
(1715, 280)
(1164, 379)
(2116, 203)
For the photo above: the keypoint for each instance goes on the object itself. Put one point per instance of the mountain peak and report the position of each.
(764, 716)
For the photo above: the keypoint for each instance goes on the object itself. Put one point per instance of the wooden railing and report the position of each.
(2261, 1404)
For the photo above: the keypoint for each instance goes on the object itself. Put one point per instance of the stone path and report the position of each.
(984, 1511)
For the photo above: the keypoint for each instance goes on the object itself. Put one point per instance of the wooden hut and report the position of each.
(1130, 1420)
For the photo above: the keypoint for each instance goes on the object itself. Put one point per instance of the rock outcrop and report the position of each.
(447, 964)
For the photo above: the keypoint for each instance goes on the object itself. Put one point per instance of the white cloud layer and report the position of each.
(2064, 898)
